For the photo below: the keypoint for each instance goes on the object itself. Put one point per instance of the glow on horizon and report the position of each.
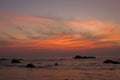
(31, 32)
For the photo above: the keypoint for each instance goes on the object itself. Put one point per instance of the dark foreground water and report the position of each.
(67, 69)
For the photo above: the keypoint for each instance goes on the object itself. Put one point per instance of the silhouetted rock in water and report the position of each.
(84, 57)
(108, 61)
(56, 64)
(30, 66)
(111, 62)
(77, 57)
(3, 59)
(15, 61)
(61, 59)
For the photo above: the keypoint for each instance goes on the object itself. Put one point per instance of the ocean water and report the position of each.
(67, 69)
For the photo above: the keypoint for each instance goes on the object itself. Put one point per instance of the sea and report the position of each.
(67, 68)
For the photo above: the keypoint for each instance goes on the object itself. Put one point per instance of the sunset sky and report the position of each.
(64, 27)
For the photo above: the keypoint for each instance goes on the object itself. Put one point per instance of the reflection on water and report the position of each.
(67, 69)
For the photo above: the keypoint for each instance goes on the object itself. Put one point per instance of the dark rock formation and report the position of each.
(56, 64)
(15, 61)
(3, 59)
(111, 62)
(61, 59)
(30, 66)
(84, 57)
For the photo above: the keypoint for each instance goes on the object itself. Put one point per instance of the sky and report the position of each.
(59, 27)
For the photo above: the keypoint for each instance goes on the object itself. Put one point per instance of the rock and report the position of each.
(84, 57)
(3, 59)
(61, 59)
(111, 62)
(77, 57)
(56, 64)
(116, 62)
(30, 66)
(108, 61)
(15, 61)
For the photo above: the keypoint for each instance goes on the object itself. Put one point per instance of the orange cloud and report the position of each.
(34, 32)
(63, 42)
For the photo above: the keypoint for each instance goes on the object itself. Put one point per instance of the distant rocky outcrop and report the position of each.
(111, 62)
(84, 57)
(61, 59)
(3, 59)
(30, 66)
(15, 61)
(56, 64)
